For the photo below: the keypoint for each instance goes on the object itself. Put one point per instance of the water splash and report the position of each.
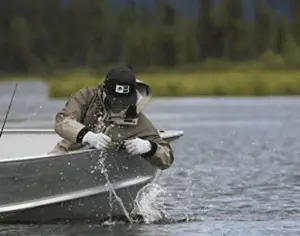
(147, 205)
(149, 201)
(101, 165)
(110, 221)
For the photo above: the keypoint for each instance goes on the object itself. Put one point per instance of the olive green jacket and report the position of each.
(85, 111)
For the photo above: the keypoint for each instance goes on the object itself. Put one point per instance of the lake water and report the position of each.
(236, 169)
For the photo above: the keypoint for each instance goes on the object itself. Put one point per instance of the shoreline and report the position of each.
(233, 83)
(173, 84)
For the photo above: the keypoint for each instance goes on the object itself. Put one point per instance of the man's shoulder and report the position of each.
(145, 126)
(144, 119)
(142, 115)
(86, 92)
(89, 89)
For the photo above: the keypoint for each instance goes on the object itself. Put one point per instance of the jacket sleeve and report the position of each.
(68, 121)
(161, 153)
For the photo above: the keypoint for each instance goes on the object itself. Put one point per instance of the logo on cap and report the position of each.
(122, 89)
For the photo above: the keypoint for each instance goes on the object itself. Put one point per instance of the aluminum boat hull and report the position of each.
(46, 188)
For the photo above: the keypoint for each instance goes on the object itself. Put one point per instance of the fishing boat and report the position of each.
(80, 185)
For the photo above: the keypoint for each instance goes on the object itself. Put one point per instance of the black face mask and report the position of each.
(115, 107)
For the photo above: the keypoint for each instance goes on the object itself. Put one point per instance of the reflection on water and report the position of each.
(236, 169)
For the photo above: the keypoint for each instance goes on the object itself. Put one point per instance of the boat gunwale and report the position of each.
(175, 134)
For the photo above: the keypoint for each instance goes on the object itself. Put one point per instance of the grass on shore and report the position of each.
(219, 83)
(19, 77)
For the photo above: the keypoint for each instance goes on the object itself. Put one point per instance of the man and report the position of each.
(112, 113)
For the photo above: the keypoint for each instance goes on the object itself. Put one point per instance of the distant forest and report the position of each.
(46, 35)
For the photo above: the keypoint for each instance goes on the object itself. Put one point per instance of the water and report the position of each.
(236, 170)
(112, 192)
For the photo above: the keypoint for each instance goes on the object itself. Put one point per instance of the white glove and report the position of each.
(137, 146)
(99, 140)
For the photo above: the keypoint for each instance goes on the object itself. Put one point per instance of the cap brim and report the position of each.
(126, 100)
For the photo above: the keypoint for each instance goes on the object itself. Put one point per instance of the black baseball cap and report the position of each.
(120, 86)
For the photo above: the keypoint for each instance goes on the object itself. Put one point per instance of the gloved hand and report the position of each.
(96, 140)
(137, 146)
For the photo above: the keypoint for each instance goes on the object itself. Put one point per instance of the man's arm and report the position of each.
(68, 120)
(161, 153)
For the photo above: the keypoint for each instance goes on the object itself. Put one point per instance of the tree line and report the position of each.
(43, 35)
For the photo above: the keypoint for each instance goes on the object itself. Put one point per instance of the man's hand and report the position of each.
(99, 141)
(137, 146)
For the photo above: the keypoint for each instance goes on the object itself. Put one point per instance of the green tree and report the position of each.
(19, 42)
(291, 52)
(295, 15)
(206, 28)
(186, 42)
(281, 30)
(262, 27)
(163, 36)
(228, 17)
